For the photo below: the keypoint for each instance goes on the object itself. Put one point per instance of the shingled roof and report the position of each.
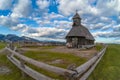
(76, 15)
(80, 31)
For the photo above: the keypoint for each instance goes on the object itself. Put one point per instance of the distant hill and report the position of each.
(14, 38)
(2, 37)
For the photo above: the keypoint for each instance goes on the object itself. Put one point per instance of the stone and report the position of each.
(58, 61)
(4, 70)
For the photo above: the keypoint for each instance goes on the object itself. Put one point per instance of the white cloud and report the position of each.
(96, 26)
(117, 41)
(42, 4)
(68, 7)
(104, 18)
(101, 33)
(22, 9)
(107, 34)
(108, 7)
(20, 27)
(92, 1)
(97, 15)
(46, 32)
(101, 8)
(55, 16)
(5, 4)
(108, 26)
(4, 20)
(53, 20)
(63, 24)
(116, 28)
(8, 21)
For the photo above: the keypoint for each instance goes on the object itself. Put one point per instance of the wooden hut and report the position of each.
(79, 35)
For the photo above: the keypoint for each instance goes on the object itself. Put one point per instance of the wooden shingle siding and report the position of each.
(80, 33)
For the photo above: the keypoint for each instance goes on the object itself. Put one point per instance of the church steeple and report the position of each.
(76, 19)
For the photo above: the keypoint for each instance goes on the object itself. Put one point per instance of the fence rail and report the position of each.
(57, 70)
(85, 70)
(80, 73)
(34, 74)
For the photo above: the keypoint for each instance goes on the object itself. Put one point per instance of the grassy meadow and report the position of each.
(109, 66)
(15, 73)
(99, 47)
(107, 69)
(2, 45)
(49, 57)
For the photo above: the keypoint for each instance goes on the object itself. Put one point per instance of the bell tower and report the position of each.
(76, 19)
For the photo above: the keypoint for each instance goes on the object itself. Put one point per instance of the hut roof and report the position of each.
(80, 31)
(76, 15)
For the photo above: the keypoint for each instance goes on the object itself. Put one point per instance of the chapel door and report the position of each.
(75, 42)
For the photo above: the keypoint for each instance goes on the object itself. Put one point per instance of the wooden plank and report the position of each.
(32, 73)
(42, 65)
(83, 68)
(86, 75)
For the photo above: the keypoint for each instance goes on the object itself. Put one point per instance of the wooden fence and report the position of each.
(57, 70)
(34, 74)
(85, 70)
(80, 73)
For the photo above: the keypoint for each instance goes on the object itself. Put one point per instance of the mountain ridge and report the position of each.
(15, 38)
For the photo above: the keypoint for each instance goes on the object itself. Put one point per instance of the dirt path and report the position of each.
(62, 49)
(2, 50)
(81, 53)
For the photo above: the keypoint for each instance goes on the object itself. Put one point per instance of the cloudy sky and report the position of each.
(52, 19)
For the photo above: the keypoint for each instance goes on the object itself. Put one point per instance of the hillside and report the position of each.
(14, 38)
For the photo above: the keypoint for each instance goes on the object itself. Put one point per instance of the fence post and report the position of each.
(72, 67)
(22, 63)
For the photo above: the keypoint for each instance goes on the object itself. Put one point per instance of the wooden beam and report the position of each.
(42, 65)
(32, 73)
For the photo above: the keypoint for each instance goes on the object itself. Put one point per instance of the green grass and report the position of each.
(48, 57)
(109, 66)
(15, 73)
(47, 73)
(2, 45)
(41, 47)
(99, 47)
(44, 56)
(48, 47)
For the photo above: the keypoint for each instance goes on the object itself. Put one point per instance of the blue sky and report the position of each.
(52, 19)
